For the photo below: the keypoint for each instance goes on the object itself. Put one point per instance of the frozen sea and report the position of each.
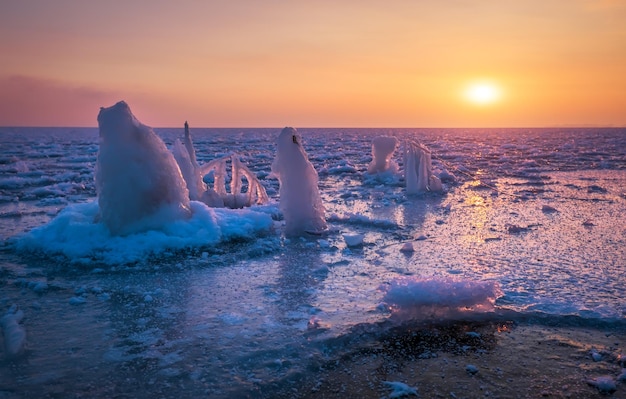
(536, 213)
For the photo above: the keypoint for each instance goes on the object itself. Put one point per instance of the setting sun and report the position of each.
(482, 93)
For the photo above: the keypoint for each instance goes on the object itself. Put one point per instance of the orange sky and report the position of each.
(351, 63)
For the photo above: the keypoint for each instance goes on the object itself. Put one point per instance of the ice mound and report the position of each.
(383, 148)
(217, 196)
(411, 298)
(136, 176)
(300, 200)
(418, 169)
(73, 234)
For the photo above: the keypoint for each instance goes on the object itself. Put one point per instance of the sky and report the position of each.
(323, 63)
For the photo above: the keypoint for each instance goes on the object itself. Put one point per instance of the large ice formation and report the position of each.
(218, 196)
(300, 200)
(138, 181)
(383, 148)
(418, 169)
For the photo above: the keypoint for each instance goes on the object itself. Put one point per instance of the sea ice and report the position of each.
(188, 166)
(236, 198)
(300, 200)
(416, 298)
(383, 148)
(400, 389)
(217, 196)
(138, 181)
(353, 240)
(418, 169)
(14, 333)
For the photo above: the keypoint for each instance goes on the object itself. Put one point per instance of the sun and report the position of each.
(482, 93)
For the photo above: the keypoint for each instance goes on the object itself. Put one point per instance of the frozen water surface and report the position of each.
(535, 216)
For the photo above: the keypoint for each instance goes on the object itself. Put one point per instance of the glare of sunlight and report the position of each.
(482, 93)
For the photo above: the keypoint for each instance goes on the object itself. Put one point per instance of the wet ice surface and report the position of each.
(538, 213)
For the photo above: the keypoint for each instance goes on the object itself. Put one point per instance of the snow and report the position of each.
(300, 200)
(137, 178)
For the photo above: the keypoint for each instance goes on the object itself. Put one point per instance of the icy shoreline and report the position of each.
(262, 309)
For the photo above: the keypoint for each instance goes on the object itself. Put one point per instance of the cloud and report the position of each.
(33, 101)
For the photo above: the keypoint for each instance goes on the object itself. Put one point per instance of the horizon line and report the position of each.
(569, 126)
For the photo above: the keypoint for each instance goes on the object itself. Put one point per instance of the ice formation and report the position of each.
(217, 196)
(185, 156)
(14, 333)
(418, 169)
(138, 181)
(400, 389)
(415, 298)
(300, 200)
(236, 198)
(383, 148)
(73, 234)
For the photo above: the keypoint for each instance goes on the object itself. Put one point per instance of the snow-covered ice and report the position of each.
(418, 169)
(383, 148)
(300, 200)
(138, 182)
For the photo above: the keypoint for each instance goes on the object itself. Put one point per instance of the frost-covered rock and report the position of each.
(300, 200)
(14, 333)
(138, 181)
